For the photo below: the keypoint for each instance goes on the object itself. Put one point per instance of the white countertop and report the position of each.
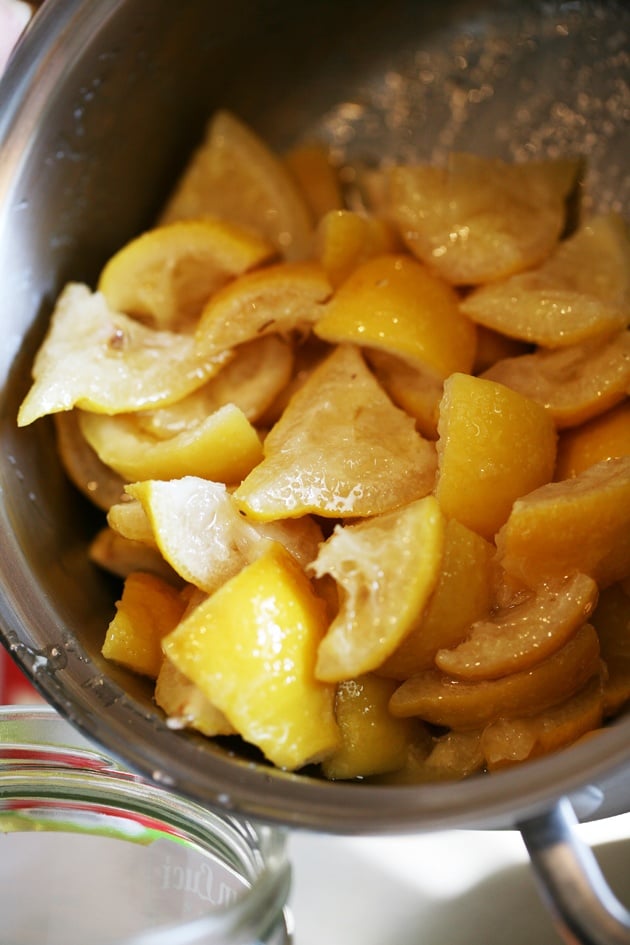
(449, 888)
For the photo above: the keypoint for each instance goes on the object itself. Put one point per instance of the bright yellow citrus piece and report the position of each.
(580, 291)
(106, 362)
(480, 219)
(345, 239)
(604, 437)
(372, 740)
(580, 524)
(386, 568)
(251, 648)
(251, 381)
(494, 445)
(185, 704)
(165, 276)
(148, 609)
(278, 299)
(395, 304)
(234, 175)
(575, 383)
(462, 595)
(224, 447)
(317, 178)
(340, 449)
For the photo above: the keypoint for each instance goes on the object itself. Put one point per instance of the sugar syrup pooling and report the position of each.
(520, 85)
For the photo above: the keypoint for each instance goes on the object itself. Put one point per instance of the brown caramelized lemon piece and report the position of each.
(462, 595)
(223, 447)
(395, 304)
(346, 239)
(251, 381)
(479, 219)
(612, 622)
(233, 175)
(94, 479)
(580, 524)
(317, 178)
(580, 291)
(444, 700)
(340, 449)
(417, 392)
(574, 384)
(386, 568)
(165, 276)
(604, 437)
(510, 741)
(185, 704)
(251, 648)
(121, 556)
(148, 609)
(516, 638)
(103, 361)
(494, 445)
(372, 740)
(278, 299)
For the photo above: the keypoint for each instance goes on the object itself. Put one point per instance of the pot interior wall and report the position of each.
(102, 110)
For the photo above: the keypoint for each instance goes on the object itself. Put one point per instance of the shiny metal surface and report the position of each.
(98, 110)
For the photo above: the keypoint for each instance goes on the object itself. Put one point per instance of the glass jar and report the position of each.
(92, 853)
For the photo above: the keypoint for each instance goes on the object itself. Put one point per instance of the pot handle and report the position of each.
(585, 909)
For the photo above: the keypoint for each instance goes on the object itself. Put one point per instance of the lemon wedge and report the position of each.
(479, 219)
(106, 362)
(340, 449)
(166, 275)
(386, 568)
(235, 176)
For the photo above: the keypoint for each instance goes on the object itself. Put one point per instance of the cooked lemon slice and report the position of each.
(580, 524)
(106, 362)
(166, 275)
(573, 384)
(604, 437)
(250, 647)
(443, 700)
(386, 568)
(395, 304)
(185, 704)
(310, 165)
(494, 446)
(198, 529)
(223, 447)
(234, 175)
(122, 556)
(340, 449)
(345, 239)
(581, 290)
(276, 300)
(481, 219)
(517, 637)
(148, 609)
(256, 375)
(82, 466)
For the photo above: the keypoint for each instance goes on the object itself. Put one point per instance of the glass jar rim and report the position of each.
(44, 759)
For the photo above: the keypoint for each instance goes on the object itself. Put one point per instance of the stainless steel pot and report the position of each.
(98, 110)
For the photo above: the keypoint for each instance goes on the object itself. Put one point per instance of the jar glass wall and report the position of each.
(91, 852)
